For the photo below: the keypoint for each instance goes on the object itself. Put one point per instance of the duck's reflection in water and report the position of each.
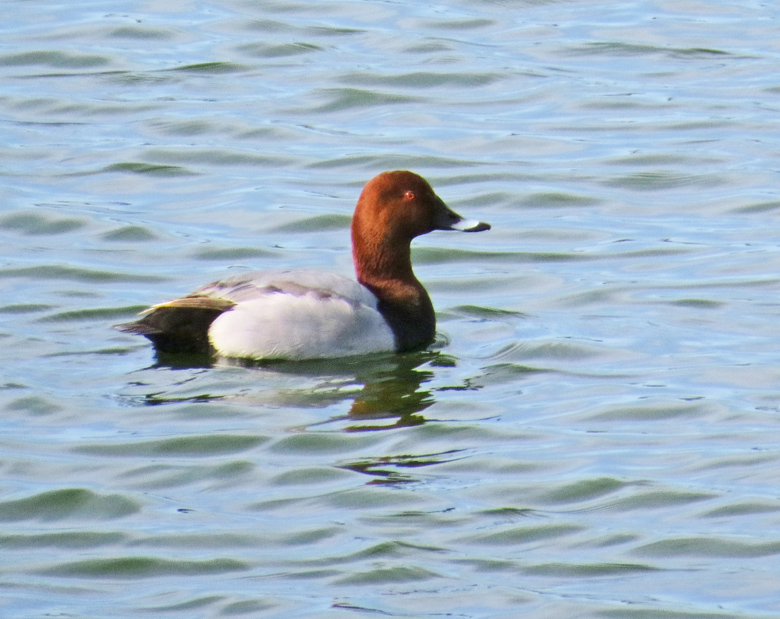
(392, 391)
(387, 391)
(383, 392)
(385, 388)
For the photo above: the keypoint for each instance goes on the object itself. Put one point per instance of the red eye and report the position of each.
(409, 195)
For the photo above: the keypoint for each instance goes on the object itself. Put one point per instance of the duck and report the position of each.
(308, 314)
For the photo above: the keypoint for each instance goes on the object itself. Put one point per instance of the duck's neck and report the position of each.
(384, 266)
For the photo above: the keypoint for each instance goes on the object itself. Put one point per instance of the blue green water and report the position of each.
(595, 432)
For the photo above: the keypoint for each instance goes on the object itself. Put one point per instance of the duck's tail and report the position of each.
(181, 325)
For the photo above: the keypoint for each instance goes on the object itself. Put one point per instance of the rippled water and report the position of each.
(595, 432)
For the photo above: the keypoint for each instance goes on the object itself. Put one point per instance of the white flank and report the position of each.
(337, 318)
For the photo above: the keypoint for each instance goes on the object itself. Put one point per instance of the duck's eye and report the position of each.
(409, 195)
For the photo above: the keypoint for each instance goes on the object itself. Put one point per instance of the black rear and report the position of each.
(176, 329)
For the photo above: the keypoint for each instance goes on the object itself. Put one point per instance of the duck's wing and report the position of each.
(195, 301)
(300, 305)
(255, 285)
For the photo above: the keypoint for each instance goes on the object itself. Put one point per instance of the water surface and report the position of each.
(594, 433)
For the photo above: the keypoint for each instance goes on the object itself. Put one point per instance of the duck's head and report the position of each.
(398, 206)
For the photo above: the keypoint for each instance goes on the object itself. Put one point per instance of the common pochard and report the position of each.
(310, 314)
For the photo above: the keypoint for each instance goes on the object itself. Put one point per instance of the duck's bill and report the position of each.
(447, 219)
(470, 225)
